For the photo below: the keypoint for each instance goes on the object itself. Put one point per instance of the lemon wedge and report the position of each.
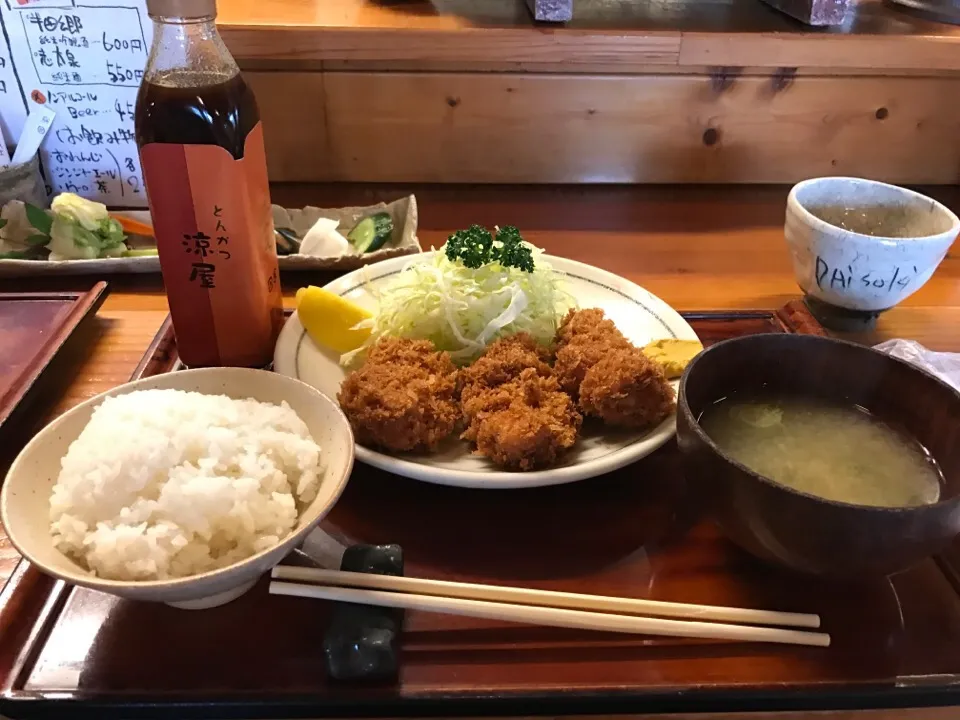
(329, 319)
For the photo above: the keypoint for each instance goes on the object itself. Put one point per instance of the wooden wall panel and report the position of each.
(494, 128)
(462, 44)
(519, 68)
(917, 52)
(292, 108)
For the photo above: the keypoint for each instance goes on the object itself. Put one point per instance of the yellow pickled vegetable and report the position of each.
(329, 319)
(673, 355)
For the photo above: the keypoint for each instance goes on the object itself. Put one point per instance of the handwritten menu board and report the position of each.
(12, 108)
(84, 60)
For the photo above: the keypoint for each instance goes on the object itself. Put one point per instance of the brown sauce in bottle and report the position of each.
(211, 215)
(197, 109)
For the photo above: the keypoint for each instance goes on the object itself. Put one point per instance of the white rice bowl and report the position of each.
(163, 484)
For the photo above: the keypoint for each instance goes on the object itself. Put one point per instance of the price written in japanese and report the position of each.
(86, 62)
(83, 45)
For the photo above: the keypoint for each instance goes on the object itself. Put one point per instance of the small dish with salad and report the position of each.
(313, 238)
(77, 236)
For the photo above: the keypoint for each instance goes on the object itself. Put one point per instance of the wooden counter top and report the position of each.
(697, 247)
(604, 33)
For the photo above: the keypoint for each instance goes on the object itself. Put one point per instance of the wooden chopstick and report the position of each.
(554, 617)
(524, 596)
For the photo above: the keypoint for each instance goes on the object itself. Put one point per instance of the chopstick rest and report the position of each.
(362, 642)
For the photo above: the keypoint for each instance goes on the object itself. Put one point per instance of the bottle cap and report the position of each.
(182, 8)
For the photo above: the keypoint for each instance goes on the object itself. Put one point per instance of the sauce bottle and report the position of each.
(201, 149)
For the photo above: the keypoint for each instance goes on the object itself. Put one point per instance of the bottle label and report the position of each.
(214, 227)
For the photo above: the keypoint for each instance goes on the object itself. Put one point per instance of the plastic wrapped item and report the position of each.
(23, 182)
(814, 12)
(944, 365)
(551, 10)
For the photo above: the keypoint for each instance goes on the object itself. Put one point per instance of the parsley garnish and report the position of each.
(475, 247)
(471, 246)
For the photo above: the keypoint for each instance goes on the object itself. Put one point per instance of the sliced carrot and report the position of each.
(133, 227)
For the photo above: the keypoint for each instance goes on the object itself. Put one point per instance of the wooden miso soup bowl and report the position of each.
(800, 531)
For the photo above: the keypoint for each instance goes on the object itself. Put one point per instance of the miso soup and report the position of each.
(837, 452)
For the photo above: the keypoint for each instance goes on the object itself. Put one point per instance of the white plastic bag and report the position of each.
(944, 365)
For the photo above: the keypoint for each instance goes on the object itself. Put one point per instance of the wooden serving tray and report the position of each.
(637, 532)
(34, 329)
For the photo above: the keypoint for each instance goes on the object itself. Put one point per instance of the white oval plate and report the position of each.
(641, 316)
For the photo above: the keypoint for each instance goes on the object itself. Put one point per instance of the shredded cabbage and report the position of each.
(462, 310)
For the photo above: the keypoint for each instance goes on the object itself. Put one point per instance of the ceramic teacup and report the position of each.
(862, 245)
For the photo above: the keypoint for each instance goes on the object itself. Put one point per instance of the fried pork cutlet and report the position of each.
(627, 389)
(502, 362)
(419, 353)
(404, 396)
(522, 424)
(612, 379)
(576, 357)
(582, 324)
(517, 414)
(584, 338)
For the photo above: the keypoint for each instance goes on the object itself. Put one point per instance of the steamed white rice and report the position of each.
(164, 483)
